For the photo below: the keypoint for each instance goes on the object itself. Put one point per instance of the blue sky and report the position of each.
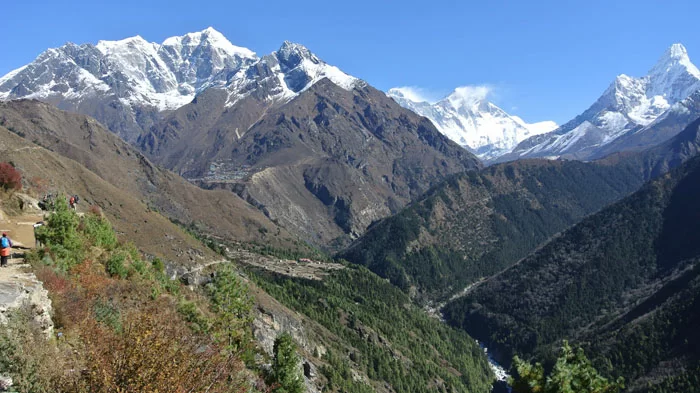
(542, 60)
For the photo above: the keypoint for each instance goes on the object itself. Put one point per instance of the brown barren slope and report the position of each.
(84, 140)
(133, 220)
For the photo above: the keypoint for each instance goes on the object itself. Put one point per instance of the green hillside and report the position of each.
(477, 223)
(624, 280)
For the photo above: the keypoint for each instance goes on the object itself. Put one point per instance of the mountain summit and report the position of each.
(126, 83)
(629, 108)
(466, 117)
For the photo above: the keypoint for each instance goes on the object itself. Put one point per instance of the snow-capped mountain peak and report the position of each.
(627, 106)
(290, 54)
(135, 42)
(674, 76)
(404, 93)
(296, 60)
(284, 74)
(468, 118)
(207, 37)
(675, 55)
(134, 71)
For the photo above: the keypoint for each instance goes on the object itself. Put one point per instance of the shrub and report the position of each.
(23, 354)
(108, 314)
(154, 352)
(190, 312)
(99, 231)
(115, 265)
(10, 177)
(61, 235)
(158, 265)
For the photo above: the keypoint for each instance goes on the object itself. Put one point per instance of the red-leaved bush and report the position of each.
(10, 178)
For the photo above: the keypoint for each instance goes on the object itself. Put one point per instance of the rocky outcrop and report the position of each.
(273, 319)
(19, 289)
(5, 383)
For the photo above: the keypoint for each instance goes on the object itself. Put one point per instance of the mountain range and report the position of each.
(132, 86)
(624, 118)
(287, 132)
(126, 84)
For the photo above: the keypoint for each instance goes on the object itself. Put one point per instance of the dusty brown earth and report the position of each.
(18, 284)
(88, 143)
(133, 220)
(20, 230)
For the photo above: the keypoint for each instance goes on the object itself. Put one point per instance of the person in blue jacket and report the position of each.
(5, 249)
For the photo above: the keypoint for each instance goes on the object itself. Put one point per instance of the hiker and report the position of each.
(6, 249)
(71, 202)
(47, 203)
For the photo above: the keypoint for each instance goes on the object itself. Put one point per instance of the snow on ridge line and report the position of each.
(150, 74)
(12, 74)
(540, 127)
(316, 71)
(215, 37)
(629, 104)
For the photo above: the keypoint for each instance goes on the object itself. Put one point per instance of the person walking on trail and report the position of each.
(71, 202)
(5, 250)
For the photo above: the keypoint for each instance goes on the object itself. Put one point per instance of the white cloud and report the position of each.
(415, 94)
(459, 96)
(464, 95)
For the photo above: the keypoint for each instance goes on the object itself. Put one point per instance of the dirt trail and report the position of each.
(20, 230)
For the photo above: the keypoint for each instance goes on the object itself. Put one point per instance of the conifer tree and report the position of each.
(572, 373)
(286, 374)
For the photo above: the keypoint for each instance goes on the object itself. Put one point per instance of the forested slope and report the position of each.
(478, 223)
(624, 279)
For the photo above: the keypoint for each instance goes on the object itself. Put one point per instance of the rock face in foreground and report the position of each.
(19, 289)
